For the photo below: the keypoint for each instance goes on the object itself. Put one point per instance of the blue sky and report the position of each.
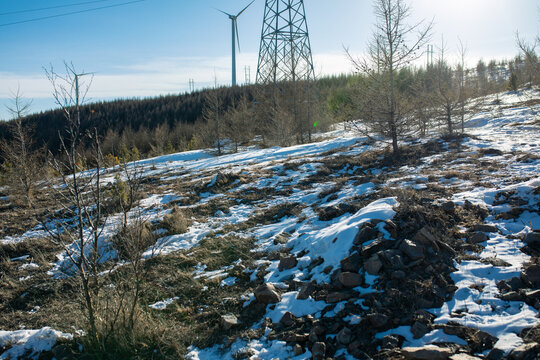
(154, 47)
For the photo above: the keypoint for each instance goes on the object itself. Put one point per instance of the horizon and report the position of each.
(139, 50)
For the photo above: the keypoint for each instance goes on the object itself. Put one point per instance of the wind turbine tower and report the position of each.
(235, 38)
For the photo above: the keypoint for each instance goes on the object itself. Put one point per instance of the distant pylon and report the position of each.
(285, 50)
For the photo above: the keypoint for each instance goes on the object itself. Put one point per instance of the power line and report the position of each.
(52, 7)
(71, 13)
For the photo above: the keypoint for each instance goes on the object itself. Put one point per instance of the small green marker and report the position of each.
(316, 123)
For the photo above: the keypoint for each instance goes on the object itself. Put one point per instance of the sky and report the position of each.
(154, 47)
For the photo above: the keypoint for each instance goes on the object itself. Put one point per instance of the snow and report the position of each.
(298, 308)
(162, 305)
(28, 344)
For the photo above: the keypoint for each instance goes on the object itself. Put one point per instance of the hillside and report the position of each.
(332, 249)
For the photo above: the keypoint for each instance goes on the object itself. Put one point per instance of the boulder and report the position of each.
(413, 250)
(477, 237)
(525, 352)
(419, 329)
(229, 321)
(428, 352)
(532, 274)
(336, 297)
(366, 233)
(352, 262)
(394, 257)
(373, 265)
(391, 342)
(485, 228)
(378, 321)
(298, 350)
(512, 296)
(305, 291)
(286, 263)
(533, 238)
(344, 337)
(448, 206)
(318, 351)
(464, 357)
(287, 319)
(350, 279)
(267, 294)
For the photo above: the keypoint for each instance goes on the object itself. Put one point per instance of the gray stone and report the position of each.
(485, 228)
(229, 321)
(336, 297)
(399, 275)
(512, 296)
(477, 237)
(298, 350)
(391, 342)
(463, 357)
(305, 291)
(286, 263)
(533, 238)
(525, 351)
(532, 274)
(448, 206)
(373, 265)
(287, 319)
(419, 329)
(366, 233)
(344, 336)
(267, 294)
(350, 280)
(413, 250)
(428, 352)
(352, 262)
(318, 351)
(378, 321)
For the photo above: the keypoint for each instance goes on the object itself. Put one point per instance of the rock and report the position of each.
(287, 319)
(281, 239)
(412, 250)
(350, 280)
(419, 329)
(373, 265)
(286, 263)
(533, 238)
(512, 296)
(448, 206)
(298, 350)
(514, 284)
(318, 351)
(392, 228)
(463, 357)
(477, 237)
(391, 342)
(336, 297)
(366, 233)
(378, 321)
(525, 352)
(428, 352)
(485, 228)
(532, 274)
(394, 257)
(244, 353)
(495, 261)
(344, 337)
(292, 337)
(532, 296)
(267, 294)
(229, 321)
(399, 275)
(376, 246)
(352, 262)
(305, 291)
(495, 354)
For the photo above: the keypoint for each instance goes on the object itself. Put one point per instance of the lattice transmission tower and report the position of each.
(285, 50)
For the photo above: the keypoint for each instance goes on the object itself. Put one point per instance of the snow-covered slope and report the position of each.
(340, 231)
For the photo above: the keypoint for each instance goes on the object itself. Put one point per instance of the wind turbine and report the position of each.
(235, 38)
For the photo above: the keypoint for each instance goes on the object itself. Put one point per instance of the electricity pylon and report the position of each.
(285, 50)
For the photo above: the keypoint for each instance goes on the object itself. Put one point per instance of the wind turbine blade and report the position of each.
(221, 11)
(240, 13)
(237, 36)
